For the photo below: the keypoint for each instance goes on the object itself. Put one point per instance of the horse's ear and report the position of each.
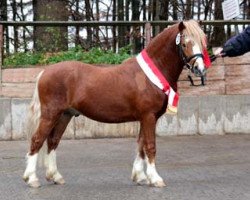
(181, 26)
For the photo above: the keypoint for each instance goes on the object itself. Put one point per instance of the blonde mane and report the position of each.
(193, 30)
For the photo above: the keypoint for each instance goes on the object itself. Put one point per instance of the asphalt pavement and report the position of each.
(194, 168)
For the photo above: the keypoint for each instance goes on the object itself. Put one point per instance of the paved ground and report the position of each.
(194, 167)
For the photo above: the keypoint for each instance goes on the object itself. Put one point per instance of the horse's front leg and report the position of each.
(148, 128)
(138, 174)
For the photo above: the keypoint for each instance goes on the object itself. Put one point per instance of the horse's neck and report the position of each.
(164, 53)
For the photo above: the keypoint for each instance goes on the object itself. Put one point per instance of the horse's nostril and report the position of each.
(198, 72)
(203, 72)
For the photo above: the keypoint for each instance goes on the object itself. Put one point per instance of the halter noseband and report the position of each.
(186, 60)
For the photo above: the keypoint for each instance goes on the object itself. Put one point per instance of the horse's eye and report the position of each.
(184, 45)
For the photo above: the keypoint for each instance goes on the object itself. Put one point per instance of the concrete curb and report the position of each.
(214, 115)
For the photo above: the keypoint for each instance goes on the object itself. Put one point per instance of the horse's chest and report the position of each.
(140, 82)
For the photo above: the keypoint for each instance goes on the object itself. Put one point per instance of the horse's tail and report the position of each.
(33, 118)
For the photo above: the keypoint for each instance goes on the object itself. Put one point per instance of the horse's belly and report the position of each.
(109, 113)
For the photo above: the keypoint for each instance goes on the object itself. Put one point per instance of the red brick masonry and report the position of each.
(225, 76)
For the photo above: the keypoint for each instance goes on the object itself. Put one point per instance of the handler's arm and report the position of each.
(237, 45)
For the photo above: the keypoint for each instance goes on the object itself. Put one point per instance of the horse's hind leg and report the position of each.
(45, 126)
(52, 173)
(138, 174)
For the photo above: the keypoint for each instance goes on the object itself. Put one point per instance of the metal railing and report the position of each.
(146, 24)
(114, 23)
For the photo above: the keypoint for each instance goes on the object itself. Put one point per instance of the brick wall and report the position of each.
(226, 76)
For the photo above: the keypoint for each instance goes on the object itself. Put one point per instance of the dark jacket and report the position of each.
(238, 45)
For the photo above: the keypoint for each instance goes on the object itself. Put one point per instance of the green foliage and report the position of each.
(94, 56)
(22, 59)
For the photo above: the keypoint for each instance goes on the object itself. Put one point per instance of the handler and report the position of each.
(235, 46)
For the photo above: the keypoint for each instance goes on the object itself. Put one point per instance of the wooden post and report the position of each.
(1, 52)
(147, 34)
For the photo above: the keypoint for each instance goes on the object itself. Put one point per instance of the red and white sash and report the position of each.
(156, 77)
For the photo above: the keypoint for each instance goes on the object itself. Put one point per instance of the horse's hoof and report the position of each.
(134, 178)
(34, 184)
(140, 179)
(158, 184)
(143, 182)
(26, 178)
(49, 177)
(60, 181)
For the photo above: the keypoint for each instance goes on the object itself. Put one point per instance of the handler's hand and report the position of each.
(219, 52)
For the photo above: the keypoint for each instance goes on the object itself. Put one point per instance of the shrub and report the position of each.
(93, 56)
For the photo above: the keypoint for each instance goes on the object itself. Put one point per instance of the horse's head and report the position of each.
(191, 43)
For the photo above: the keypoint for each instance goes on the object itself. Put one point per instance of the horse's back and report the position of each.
(67, 67)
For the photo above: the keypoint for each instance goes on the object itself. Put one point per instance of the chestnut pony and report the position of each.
(110, 94)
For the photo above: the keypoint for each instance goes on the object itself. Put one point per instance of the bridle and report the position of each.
(190, 66)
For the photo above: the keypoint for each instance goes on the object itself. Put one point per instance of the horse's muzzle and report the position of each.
(198, 73)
